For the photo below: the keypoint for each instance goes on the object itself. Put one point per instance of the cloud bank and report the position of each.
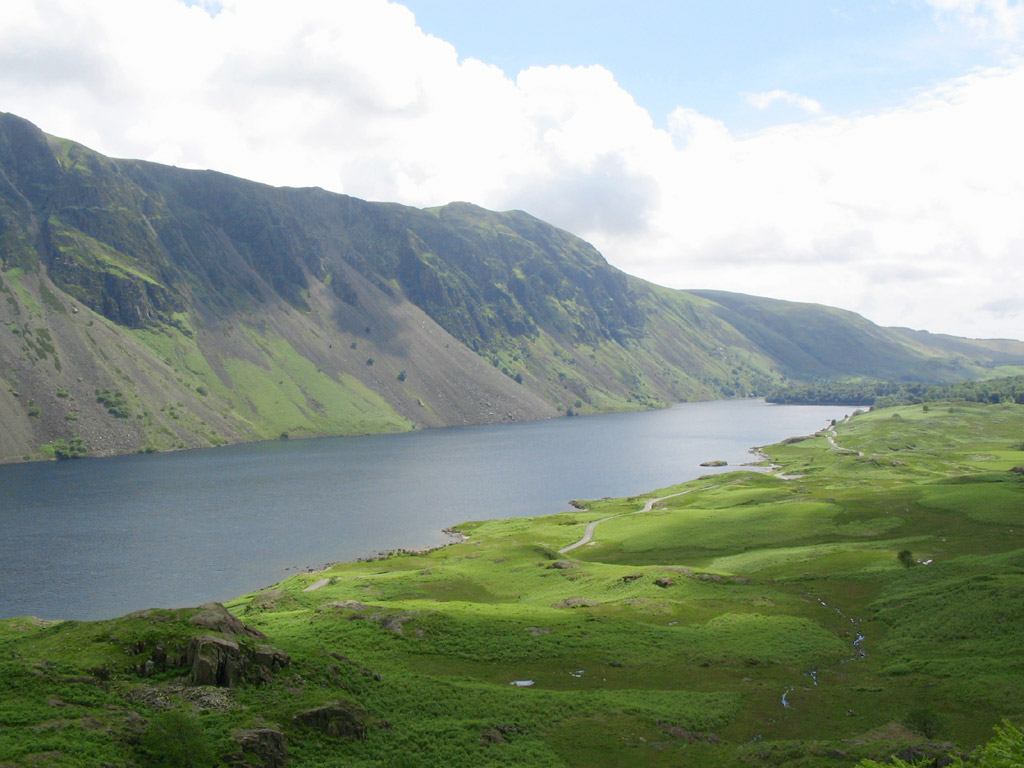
(911, 216)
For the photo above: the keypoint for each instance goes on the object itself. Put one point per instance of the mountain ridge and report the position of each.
(148, 307)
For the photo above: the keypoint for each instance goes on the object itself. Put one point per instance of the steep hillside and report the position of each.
(815, 341)
(147, 307)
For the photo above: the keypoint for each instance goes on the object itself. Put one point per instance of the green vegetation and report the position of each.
(289, 393)
(72, 448)
(115, 403)
(746, 619)
(1005, 750)
(176, 740)
(1009, 389)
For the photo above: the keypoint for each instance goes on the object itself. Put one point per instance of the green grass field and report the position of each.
(753, 621)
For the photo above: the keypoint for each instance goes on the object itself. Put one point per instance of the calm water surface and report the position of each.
(97, 538)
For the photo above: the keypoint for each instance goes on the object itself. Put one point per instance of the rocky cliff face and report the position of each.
(146, 307)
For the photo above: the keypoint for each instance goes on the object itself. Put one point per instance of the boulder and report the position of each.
(215, 661)
(267, 660)
(563, 565)
(342, 719)
(574, 602)
(260, 748)
(223, 662)
(217, 618)
(270, 657)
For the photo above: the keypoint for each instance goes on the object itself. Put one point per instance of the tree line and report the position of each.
(881, 394)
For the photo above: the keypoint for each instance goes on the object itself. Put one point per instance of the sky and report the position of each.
(866, 155)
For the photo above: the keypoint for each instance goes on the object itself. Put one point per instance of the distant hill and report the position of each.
(147, 307)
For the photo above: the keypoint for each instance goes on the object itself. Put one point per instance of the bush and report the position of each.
(1005, 750)
(924, 721)
(69, 449)
(177, 740)
(114, 401)
(906, 557)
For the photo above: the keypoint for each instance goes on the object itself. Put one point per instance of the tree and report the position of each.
(906, 557)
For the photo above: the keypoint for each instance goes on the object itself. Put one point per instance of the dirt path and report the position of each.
(588, 534)
(831, 435)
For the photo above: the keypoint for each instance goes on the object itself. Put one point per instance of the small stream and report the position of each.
(858, 653)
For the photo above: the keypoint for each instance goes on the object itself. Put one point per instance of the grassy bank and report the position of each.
(869, 606)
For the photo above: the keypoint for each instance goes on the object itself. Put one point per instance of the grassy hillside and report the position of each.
(860, 600)
(213, 309)
(811, 341)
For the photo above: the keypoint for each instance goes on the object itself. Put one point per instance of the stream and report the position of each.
(858, 653)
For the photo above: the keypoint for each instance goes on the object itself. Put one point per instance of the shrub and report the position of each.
(69, 449)
(177, 740)
(906, 557)
(924, 721)
(114, 401)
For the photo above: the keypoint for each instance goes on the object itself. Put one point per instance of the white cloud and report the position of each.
(910, 216)
(1001, 20)
(765, 99)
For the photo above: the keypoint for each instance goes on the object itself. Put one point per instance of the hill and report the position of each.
(859, 601)
(147, 307)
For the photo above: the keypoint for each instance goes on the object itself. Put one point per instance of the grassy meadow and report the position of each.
(748, 619)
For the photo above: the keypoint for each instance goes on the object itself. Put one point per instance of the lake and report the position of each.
(98, 538)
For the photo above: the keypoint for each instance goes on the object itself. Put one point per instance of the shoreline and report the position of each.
(110, 601)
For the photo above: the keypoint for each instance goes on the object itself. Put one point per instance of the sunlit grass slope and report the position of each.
(747, 619)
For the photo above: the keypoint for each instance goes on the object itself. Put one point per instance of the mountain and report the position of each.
(147, 307)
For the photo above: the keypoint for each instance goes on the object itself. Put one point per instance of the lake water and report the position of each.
(97, 538)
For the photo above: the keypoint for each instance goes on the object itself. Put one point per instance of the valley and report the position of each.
(859, 600)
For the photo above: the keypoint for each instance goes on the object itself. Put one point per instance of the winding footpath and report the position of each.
(588, 534)
(831, 435)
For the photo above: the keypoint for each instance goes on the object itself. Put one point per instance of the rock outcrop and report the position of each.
(225, 662)
(339, 718)
(217, 618)
(259, 748)
(228, 655)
